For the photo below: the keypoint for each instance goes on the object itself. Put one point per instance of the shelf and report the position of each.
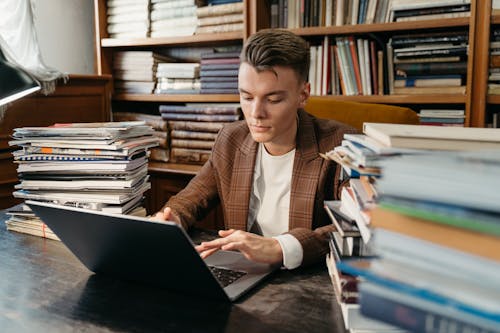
(177, 98)
(185, 169)
(381, 27)
(403, 99)
(172, 41)
(493, 99)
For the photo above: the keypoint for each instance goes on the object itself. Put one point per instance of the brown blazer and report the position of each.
(227, 178)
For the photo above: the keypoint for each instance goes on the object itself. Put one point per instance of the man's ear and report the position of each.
(304, 94)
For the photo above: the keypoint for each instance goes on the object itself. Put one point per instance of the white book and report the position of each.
(159, 14)
(312, 68)
(433, 137)
(366, 66)
(138, 16)
(416, 4)
(127, 9)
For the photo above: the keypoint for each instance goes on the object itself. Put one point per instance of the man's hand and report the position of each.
(252, 246)
(166, 215)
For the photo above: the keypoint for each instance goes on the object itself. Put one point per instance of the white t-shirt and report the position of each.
(270, 203)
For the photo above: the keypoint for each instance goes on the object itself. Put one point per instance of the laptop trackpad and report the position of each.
(236, 261)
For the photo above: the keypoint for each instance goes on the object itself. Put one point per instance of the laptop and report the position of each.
(155, 253)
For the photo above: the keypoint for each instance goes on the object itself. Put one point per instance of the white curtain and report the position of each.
(19, 42)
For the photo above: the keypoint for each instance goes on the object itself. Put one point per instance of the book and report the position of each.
(480, 244)
(428, 81)
(160, 154)
(212, 127)
(423, 298)
(191, 143)
(189, 155)
(453, 215)
(460, 90)
(345, 225)
(215, 109)
(223, 9)
(430, 137)
(180, 134)
(200, 117)
(383, 304)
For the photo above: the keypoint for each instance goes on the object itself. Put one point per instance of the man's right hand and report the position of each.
(166, 215)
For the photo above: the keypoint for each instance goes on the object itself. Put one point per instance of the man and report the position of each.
(266, 171)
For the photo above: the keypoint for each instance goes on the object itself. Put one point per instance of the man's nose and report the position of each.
(258, 109)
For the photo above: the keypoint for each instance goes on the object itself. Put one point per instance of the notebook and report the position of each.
(155, 253)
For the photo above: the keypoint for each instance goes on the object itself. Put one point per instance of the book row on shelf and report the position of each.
(317, 13)
(414, 231)
(157, 18)
(420, 63)
(146, 72)
(189, 129)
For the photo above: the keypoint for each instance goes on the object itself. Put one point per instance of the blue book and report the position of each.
(376, 303)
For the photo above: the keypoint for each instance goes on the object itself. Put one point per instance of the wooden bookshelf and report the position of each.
(257, 16)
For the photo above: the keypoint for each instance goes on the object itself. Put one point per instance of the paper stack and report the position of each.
(101, 166)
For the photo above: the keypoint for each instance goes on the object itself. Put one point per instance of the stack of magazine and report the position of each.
(101, 166)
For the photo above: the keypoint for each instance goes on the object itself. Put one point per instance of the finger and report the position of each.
(217, 243)
(207, 253)
(225, 233)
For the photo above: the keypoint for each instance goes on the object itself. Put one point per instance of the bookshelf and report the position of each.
(257, 15)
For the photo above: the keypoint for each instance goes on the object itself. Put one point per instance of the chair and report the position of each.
(355, 114)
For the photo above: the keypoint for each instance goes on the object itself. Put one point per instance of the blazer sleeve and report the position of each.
(197, 198)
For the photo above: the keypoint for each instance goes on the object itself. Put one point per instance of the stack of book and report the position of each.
(224, 17)
(442, 117)
(437, 239)
(101, 166)
(134, 71)
(219, 72)
(404, 10)
(434, 63)
(160, 153)
(494, 68)
(178, 78)
(128, 19)
(194, 127)
(173, 18)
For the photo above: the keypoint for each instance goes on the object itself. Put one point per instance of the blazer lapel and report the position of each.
(306, 168)
(241, 183)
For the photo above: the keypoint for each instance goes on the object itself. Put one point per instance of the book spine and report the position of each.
(179, 134)
(190, 156)
(191, 143)
(212, 127)
(159, 154)
(231, 8)
(209, 110)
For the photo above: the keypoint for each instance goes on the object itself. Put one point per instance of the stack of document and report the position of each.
(101, 166)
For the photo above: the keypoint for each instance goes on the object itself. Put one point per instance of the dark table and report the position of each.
(44, 288)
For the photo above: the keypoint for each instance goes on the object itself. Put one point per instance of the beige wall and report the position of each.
(65, 30)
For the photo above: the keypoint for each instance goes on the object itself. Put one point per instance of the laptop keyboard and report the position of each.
(226, 276)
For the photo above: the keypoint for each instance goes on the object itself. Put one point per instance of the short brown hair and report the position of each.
(277, 47)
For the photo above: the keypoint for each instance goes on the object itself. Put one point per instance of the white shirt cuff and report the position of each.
(292, 251)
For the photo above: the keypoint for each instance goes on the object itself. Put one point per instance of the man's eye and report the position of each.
(275, 101)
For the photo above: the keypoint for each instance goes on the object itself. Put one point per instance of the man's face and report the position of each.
(269, 101)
